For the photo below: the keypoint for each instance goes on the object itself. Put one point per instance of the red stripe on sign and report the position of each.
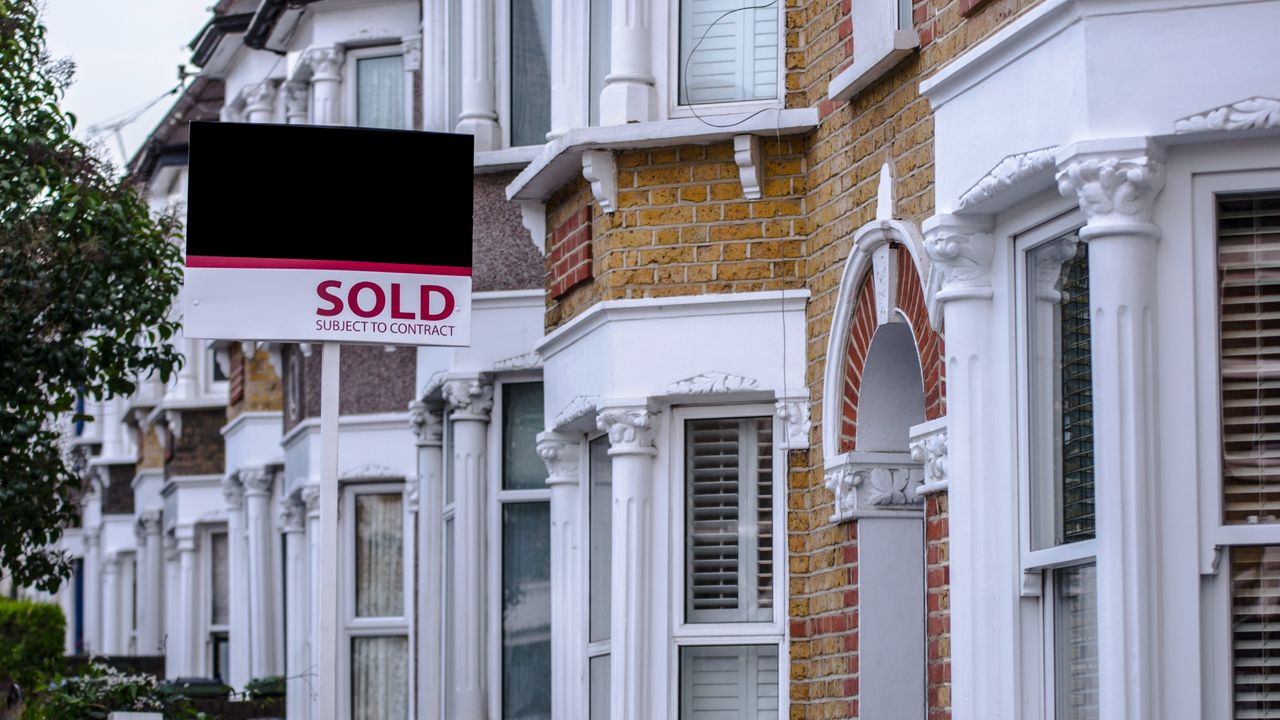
(244, 263)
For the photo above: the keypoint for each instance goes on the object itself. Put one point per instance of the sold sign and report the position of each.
(336, 248)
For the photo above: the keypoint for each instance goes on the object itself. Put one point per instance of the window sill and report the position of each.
(492, 161)
(865, 71)
(561, 159)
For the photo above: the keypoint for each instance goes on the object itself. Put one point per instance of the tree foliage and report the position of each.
(87, 278)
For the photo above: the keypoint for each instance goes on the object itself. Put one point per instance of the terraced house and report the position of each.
(870, 359)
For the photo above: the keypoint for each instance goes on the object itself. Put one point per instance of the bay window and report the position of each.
(730, 628)
(729, 51)
(1059, 546)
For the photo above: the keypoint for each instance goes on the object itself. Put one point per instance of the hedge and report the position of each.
(31, 642)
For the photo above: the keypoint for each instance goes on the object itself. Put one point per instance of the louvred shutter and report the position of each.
(1255, 632)
(713, 515)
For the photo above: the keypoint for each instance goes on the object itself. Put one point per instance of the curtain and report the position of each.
(380, 92)
(379, 555)
(379, 678)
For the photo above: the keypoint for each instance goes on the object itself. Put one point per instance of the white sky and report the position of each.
(126, 53)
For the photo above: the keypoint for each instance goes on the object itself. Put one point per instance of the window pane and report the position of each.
(379, 555)
(380, 92)
(728, 562)
(221, 656)
(522, 468)
(221, 605)
(526, 610)
(379, 678)
(1076, 642)
(531, 71)
(1249, 307)
(447, 607)
(447, 438)
(454, 106)
(1255, 631)
(601, 537)
(727, 56)
(599, 670)
(1061, 392)
(729, 682)
(601, 42)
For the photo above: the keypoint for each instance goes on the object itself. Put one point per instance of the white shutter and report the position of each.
(729, 682)
(737, 54)
(1255, 632)
(1249, 316)
(713, 500)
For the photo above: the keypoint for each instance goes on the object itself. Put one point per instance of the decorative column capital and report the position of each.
(256, 481)
(149, 522)
(960, 250)
(630, 429)
(560, 453)
(233, 492)
(469, 398)
(170, 544)
(111, 564)
(293, 515)
(326, 64)
(92, 538)
(793, 411)
(310, 496)
(427, 422)
(295, 104)
(1116, 184)
(929, 448)
(412, 49)
(261, 98)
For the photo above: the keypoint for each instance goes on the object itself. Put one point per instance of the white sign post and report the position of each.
(366, 269)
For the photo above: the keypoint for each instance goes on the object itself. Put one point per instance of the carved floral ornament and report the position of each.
(1248, 114)
(873, 486)
(469, 397)
(1113, 190)
(629, 429)
(560, 454)
(794, 414)
(427, 422)
(293, 514)
(930, 450)
(961, 251)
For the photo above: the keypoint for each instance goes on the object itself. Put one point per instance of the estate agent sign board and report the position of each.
(312, 234)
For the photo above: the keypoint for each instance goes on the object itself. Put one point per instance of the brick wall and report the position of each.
(150, 454)
(259, 383)
(682, 227)
(199, 449)
(373, 381)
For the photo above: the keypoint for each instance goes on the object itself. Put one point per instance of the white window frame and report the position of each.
(1217, 539)
(683, 633)
(448, 512)
(675, 66)
(209, 361)
(352, 626)
(497, 497)
(350, 102)
(204, 586)
(1037, 566)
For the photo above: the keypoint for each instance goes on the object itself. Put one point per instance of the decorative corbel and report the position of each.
(600, 169)
(793, 410)
(746, 153)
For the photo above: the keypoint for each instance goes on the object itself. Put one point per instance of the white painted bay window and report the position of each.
(731, 628)
(730, 51)
(376, 598)
(1059, 549)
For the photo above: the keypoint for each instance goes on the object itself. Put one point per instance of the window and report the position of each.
(1059, 526)
(524, 511)
(219, 607)
(600, 574)
(728, 51)
(730, 635)
(530, 71)
(601, 39)
(377, 633)
(377, 88)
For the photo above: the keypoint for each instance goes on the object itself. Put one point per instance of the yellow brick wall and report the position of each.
(262, 389)
(150, 454)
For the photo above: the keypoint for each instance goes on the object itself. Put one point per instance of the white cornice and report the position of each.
(374, 421)
(252, 418)
(561, 159)
(672, 307)
(493, 161)
(500, 299)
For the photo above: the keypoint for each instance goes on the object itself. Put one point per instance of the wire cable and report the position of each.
(685, 70)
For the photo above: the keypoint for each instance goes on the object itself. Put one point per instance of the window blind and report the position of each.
(1255, 632)
(1249, 346)
(737, 58)
(380, 92)
(728, 682)
(1077, 400)
(729, 500)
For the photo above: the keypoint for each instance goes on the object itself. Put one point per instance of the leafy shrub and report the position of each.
(101, 690)
(265, 687)
(31, 642)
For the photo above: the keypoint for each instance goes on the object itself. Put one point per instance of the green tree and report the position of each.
(87, 279)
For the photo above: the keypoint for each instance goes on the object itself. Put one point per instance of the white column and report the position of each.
(295, 103)
(238, 631)
(471, 400)
(112, 429)
(984, 555)
(111, 605)
(629, 95)
(570, 63)
(631, 452)
(568, 642)
(124, 605)
(92, 590)
(257, 501)
(189, 646)
(1116, 183)
(293, 517)
(172, 601)
(428, 426)
(479, 115)
(150, 584)
(260, 101)
(326, 85)
(311, 500)
(186, 380)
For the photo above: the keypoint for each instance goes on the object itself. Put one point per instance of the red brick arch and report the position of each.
(910, 302)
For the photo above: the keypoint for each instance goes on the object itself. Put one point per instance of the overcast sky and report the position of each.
(127, 54)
